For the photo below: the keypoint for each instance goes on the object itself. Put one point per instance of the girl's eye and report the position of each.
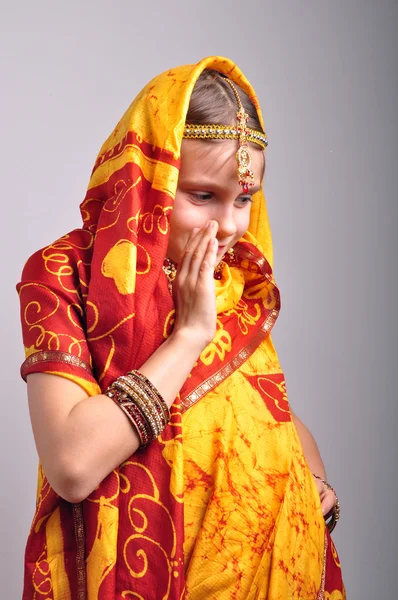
(243, 200)
(204, 197)
(200, 197)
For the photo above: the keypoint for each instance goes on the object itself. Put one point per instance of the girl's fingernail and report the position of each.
(211, 224)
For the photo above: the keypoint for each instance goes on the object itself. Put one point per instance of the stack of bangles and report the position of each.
(331, 518)
(142, 404)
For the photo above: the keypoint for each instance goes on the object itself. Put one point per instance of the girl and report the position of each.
(171, 464)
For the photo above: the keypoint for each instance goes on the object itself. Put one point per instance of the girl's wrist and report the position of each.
(189, 339)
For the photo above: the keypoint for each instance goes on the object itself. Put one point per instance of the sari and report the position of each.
(222, 505)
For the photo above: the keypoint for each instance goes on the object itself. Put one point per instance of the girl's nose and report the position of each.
(226, 223)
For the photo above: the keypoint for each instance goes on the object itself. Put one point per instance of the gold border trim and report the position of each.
(321, 593)
(56, 356)
(81, 581)
(218, 377)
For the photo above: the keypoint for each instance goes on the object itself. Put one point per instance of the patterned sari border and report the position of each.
(80, 552)
(44, 356)
(321, 593)
(210, 383)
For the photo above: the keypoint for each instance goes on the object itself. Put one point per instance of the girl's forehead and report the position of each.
(203, 151)
(216, 158)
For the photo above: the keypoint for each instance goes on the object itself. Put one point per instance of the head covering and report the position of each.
(119, 252)
(95, 304)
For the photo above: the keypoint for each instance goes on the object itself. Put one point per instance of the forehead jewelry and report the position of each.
(243, 156)
(240, 132)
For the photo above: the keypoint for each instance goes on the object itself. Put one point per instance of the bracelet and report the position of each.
(142, 403)
(141, 400)
(133, 413)
(335, 516)
(152, 392)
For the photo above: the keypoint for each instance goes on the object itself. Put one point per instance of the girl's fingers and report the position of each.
(195, 289)
(209, 260)
(185, 261)
(196, 250)
(328, 502)
(320, 486)
(327, 497)
(199, 252)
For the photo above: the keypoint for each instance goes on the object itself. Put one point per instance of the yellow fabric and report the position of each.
(163, 176)
(245, 478)
(102, 557)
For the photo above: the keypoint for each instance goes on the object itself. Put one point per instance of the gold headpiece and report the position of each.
(240, 132)
(224, 132)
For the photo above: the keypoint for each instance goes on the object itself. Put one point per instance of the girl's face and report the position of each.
(208, 189)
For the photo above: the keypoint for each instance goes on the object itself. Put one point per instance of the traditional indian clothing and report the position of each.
(222, 505)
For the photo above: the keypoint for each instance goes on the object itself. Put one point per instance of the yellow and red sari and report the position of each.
(222, 505)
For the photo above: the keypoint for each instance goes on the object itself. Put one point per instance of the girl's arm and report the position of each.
(81, 439)
(310, 448)
(315, 463)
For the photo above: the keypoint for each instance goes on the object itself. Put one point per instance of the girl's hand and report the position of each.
(194, 287)
(328, 498)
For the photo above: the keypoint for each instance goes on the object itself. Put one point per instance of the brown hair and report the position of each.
(213, 101)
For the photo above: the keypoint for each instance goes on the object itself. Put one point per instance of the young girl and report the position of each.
(171, 464)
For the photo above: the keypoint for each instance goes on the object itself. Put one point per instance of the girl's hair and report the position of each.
(213, 101)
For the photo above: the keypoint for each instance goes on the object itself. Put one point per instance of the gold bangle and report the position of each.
(142, 403)
(133, 413)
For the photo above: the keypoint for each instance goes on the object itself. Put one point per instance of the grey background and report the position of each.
(326, 76)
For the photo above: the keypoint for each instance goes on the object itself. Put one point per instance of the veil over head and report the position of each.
(113, 264)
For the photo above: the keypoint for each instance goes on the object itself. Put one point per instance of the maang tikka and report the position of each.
(243, 156)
